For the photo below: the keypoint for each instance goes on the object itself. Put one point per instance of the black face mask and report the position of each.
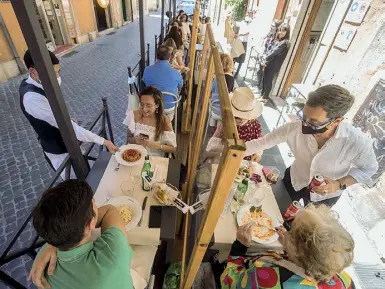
(309, 130)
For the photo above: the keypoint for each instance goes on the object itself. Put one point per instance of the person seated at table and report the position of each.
(323, 143)
(165, 78)
(65, 217)
(175, 34)
(317, 248)
(272, 60)
(180, 13)
(203, 27)
(186, 33)
(149, 126)
(228, 68)
(246, 109)
(176, 58)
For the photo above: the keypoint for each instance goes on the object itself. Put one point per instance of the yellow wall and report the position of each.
(84, 15)
(9, 16)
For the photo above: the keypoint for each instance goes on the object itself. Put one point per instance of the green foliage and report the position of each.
(238, 9)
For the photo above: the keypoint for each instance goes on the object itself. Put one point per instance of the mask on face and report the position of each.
(309, 130)
(59, 80)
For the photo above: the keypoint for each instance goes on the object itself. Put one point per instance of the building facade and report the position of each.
(64, 23)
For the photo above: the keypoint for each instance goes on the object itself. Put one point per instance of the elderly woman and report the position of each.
(228, 68)
(149, 126)
(317, 248)
(246, 109)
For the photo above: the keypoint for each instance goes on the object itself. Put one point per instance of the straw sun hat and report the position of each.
(244, 104)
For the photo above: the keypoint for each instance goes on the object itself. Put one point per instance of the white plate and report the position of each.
(133, 205)
(246, 208)
(142, 150)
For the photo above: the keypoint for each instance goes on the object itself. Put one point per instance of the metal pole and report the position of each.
(174, 9)
(142, 44)
(162, 23)
(26, 15)
(219, 12)
(169, 8)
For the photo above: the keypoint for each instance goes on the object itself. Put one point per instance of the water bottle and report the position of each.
(146, 172)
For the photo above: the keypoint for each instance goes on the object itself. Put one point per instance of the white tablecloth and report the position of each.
(226, 230)
(110, 186)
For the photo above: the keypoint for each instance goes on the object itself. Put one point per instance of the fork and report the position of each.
(117, 168)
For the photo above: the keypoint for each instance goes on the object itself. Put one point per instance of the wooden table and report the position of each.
(226, 228)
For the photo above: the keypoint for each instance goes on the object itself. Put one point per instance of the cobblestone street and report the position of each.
(92, 71)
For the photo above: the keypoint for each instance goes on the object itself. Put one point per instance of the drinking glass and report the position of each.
(128, 186)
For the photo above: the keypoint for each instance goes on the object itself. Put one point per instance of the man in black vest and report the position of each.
(37, 110)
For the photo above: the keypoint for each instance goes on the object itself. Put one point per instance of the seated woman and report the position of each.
(176, 59)
(246, 109)
(228, 68)
(317, 248)
(175, 34)
(149, 126)
(272, 60)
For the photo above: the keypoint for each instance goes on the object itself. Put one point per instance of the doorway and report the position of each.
(124, 11)
(307, 19)
(101, 16)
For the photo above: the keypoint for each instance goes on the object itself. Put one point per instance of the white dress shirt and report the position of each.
(38, 106)
(348, 152)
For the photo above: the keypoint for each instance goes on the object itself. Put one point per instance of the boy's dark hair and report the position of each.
(163, 53)
(29, 61)
(63, 212)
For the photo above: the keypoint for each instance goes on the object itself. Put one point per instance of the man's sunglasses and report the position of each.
(312, 125)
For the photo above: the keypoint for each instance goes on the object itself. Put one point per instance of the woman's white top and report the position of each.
(167, 137)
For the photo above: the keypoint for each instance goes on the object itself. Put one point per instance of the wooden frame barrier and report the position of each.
(230, 162)
(192, 50)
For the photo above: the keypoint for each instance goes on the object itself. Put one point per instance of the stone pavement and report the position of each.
(94, 70)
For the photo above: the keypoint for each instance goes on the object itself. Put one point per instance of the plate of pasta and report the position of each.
(131, 155)
(129, 210)
(264, 223)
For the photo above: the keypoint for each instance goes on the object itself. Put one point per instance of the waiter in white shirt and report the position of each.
(322, 143)
(37, 110)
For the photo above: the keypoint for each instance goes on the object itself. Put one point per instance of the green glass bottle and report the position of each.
(242, 189)
(146, 171)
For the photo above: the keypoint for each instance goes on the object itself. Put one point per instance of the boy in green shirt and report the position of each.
(65, 217)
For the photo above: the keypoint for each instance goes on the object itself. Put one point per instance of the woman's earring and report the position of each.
(156, 111)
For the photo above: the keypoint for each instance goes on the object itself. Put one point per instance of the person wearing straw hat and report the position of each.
(246, 109)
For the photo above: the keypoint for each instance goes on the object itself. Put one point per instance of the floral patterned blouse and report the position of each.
(250, 273)
(247, 132)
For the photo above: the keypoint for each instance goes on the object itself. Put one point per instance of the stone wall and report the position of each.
(356, 68)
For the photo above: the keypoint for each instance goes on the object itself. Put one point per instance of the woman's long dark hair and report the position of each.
(174, 34)
(159, 113)
(284, 27)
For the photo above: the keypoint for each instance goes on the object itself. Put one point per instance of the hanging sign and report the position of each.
(103, 3)
(68, 18)
(57, 9)
(345, 36)
(357, 11)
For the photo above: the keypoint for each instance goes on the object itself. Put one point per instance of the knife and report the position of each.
(143, 208)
